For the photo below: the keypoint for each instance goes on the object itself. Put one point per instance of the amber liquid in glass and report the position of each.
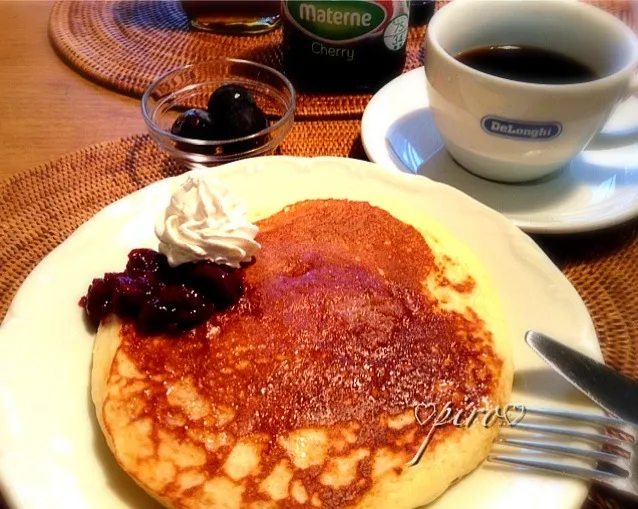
(234, 16)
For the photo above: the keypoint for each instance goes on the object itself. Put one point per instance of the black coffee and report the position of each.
(526, 63)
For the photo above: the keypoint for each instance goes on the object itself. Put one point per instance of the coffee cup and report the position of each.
(515, 131)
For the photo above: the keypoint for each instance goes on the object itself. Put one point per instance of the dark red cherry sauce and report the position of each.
(159, 298)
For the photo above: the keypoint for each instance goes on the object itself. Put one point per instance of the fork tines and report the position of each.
(617, 465)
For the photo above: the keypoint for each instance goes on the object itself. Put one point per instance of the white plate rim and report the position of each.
(20, 320)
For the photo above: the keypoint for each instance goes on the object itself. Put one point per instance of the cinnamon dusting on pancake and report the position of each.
(303, 393)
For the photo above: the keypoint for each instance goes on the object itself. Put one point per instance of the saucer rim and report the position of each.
(379, 154)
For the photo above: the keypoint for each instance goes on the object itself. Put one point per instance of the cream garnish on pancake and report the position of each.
(205, 221)
(303, 393)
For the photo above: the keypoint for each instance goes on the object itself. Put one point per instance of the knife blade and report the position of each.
(609, 389)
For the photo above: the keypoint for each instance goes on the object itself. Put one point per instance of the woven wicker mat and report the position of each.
(41, 207)
(126, 44)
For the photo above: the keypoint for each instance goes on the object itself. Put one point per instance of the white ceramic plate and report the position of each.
(52, 454)
(599, 188)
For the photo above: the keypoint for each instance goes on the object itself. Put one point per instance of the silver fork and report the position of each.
(622, 451)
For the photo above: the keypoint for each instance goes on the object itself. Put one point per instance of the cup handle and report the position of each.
(621, 137)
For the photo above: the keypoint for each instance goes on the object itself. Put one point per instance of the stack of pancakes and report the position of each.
(304, 393)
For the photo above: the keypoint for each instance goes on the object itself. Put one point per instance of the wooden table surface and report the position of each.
(46, 108)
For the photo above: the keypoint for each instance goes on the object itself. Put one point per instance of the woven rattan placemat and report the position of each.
(42, 207)
(126, 44)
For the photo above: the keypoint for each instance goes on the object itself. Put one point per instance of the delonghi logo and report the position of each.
(540, 131)
(344, 20)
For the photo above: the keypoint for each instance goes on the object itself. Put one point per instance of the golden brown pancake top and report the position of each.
(334, 330)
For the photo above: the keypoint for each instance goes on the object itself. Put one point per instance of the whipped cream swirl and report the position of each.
(204, 221)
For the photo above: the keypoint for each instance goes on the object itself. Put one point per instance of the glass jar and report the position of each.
(421, 11)
(344, 45)
(233, 16)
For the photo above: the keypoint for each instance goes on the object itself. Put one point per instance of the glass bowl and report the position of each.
(191, 86)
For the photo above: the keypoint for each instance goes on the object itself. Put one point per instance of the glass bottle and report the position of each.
(344, 45)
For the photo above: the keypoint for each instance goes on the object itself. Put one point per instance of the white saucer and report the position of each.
(599, 188)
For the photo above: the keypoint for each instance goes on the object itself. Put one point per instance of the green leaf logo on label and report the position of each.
(337, 20)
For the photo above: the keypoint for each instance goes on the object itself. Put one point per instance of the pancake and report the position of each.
(304, 393)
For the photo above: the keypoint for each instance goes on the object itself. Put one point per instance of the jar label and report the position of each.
(396, 33)
(343, 20)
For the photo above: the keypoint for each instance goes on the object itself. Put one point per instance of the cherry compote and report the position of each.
(159, 298)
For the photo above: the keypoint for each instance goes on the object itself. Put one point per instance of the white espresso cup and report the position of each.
(513, 131)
